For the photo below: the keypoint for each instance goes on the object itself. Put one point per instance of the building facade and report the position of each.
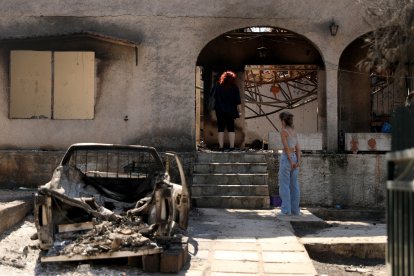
(145, 92)
(141, 60)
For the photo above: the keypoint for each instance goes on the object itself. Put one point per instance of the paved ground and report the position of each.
(222, 242)
(252, 242)
(350, 232)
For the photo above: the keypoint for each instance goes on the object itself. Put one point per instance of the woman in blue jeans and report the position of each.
(289, 167)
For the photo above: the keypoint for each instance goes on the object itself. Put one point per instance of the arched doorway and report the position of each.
(366, 99)
(277, 69)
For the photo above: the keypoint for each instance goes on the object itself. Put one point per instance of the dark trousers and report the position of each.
(225, 120)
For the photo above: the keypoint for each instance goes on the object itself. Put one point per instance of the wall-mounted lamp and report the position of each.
(333, 28)
(262, 50)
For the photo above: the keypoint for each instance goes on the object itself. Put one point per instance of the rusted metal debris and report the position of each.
(105, 236)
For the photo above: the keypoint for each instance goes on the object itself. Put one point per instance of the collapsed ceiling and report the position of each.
(288, 87)
(258, 46)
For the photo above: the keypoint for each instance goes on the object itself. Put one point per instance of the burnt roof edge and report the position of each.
(83, 34)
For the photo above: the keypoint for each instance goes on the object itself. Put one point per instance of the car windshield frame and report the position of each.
(112, 147)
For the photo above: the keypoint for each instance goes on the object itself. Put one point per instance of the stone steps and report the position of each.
(13, 212)
(230, 180)
(234, 202)
(230, 190)
(230, 168)
(230, 157)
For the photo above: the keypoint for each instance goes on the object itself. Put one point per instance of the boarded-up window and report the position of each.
(31, 84)
(68, 85)
(74, 85)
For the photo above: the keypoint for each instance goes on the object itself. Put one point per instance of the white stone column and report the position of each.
(332, 107)
(240, 123)
(322, 106)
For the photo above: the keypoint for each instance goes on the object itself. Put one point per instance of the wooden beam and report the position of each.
(88, 225)
(151, 263)
(174, 258)
(109, 255)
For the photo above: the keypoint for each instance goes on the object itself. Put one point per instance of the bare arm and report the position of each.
(298, 154)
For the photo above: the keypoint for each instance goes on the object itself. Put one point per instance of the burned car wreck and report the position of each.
(108, 201)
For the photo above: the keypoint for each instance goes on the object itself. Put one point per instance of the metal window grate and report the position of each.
(115, 163)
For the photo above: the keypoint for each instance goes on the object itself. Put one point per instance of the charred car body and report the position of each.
(125, 188)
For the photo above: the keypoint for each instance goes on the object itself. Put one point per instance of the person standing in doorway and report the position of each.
(227, 107)
(289, 167)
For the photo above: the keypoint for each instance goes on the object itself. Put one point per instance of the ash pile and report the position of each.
(129, 233)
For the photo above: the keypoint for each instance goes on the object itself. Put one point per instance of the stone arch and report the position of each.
(366, 99)
(235, 49)
(313, 53)
(353, 87)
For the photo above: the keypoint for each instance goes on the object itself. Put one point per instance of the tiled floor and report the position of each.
(251, 242)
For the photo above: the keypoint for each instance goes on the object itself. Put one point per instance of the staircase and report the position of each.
(230, 180)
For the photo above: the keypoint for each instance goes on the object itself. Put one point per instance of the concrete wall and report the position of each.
(348, 180)
(27, 168)
(115, 98)
(307, 141)
(357, 142)
(352, 180)
(158, 94)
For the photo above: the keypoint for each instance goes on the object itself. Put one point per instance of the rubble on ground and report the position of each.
(106, 236)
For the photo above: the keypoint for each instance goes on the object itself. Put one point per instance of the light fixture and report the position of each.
(333, 28)
(262, 51)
